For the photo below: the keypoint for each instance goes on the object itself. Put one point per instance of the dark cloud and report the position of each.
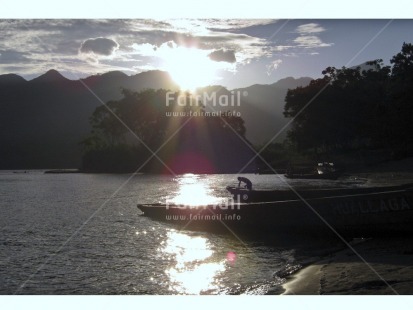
(12, 56)
(99, 46)
(65, 36)
(223, 55)
(62, 40)
(159, 37)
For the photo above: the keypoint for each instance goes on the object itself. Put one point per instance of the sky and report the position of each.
(198, 52)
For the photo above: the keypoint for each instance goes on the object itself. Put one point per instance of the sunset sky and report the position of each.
(197, 52)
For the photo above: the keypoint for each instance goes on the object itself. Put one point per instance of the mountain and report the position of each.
(43, 120)
(261, 107)
(51, 76)
(11, 79)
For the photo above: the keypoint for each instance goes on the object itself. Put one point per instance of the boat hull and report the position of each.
(360, 215)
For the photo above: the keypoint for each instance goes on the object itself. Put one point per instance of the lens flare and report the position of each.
(231, 257)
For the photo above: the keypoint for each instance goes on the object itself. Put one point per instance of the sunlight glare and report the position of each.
(186, 248)
(197, 280)
(191, 273)
(190, 67)
(193, 192)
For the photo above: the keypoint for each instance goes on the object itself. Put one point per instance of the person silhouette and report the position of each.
(247, 182)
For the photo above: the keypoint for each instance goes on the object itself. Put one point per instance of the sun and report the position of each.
(190, 68)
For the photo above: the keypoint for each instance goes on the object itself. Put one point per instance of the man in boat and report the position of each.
(247, 182)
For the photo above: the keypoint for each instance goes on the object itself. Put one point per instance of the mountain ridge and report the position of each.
(43, 120)
(51, 75)
(11, 78)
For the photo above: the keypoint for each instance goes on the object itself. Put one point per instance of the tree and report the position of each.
(401, 95)
(125, 134)
(305, 133)
(341, 110)
(123, 131)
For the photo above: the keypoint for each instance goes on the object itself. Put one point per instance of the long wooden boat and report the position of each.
(382, 212)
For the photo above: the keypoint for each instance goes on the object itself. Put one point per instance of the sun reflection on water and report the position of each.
(193, 191)
(193, 271)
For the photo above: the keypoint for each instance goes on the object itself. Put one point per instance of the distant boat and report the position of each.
(380, 211)
(323, 171)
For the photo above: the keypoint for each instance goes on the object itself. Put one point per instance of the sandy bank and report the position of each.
(391, 172)
(389, 270)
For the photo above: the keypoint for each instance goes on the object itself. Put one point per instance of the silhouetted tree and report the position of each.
(344, 109)
(401, 96)
(126, 131)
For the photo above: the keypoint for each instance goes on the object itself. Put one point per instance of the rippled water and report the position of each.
(82, 234)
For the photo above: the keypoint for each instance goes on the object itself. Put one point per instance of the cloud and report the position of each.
(273, 66)
(310, 42)
(99, 46)
(82, 45)
(205, 25)
(39, 41)
(309, 28)
(178, 59)
(147, 49)
(12, 57)
(223, 55)
(308, 38)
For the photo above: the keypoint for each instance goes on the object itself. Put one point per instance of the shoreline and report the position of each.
(391, 168)
(388, 271)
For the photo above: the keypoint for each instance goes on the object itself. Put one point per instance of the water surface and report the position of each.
(82, 234)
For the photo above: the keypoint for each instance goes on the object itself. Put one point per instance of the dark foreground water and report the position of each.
(82, 234)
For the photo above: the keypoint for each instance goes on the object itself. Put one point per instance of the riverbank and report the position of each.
(396, 171)
(373, 267)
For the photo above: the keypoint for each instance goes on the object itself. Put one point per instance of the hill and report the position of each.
(43, 120)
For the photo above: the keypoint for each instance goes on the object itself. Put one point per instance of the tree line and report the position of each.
(352, 108)
(346, 109)
(127, 132)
